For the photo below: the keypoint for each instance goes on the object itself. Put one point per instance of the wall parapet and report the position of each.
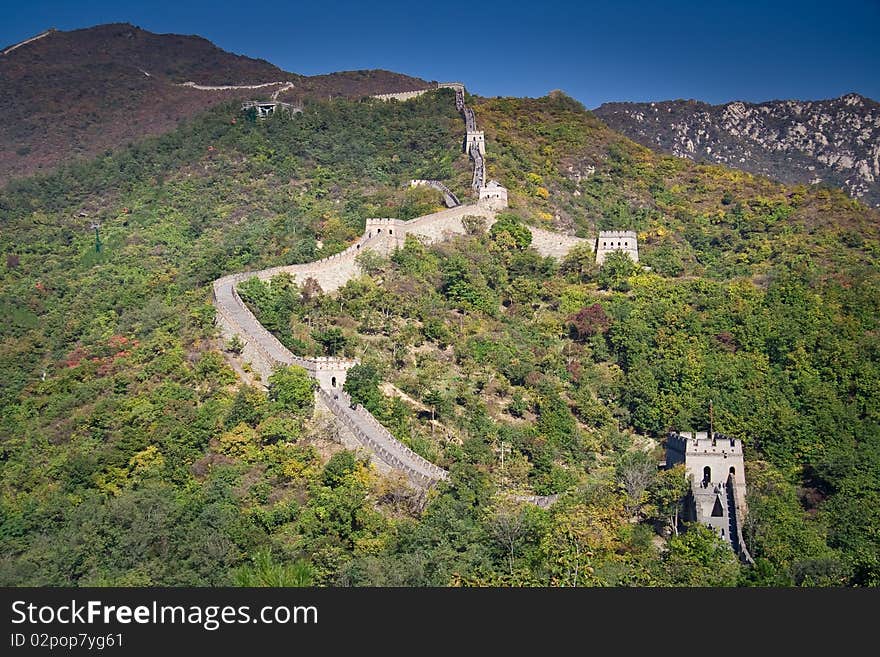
(401, 95)
(449, 198)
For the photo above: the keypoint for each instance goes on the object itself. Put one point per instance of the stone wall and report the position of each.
(610, 241)
(261, 349)
(359, 429)
(346, 436)
(557, 245)
(436, 227)
(403, 95)
(377, 439)
(493, 196)
(698, 451)
(450, 199)
(31, 40)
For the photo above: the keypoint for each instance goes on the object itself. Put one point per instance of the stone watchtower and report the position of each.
(493, 196)
(609, 241)
(714, 466)
(475, 139)
(330, 372)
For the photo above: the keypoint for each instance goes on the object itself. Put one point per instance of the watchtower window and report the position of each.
(333, 381)
(391, 231)
(707, 475)
(732, 471)
(604, 243)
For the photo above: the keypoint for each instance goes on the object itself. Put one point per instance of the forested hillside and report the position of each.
(74, 94)
(133, 454)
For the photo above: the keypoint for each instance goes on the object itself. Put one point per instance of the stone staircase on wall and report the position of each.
(371, 434)
(450, 199)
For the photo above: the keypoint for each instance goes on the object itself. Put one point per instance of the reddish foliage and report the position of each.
(727, 341)
(75, 357)
(589, 321)
(574, 369)
(118, 346)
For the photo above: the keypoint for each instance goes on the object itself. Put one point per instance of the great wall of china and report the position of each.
(359, 430)
(41, 35)
(717, 497)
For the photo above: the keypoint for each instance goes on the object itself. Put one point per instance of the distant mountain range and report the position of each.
(834, 142)
(74, 94)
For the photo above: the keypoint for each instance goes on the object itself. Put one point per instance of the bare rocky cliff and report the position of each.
(834, 142)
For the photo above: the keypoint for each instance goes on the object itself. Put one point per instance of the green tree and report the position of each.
(779, 531)
(667, 494)
(340, 464)
(264, 570)
(235, 344)
(370, 261)
(278, 429)
(466, 287)
(362, 383)
(555, 420)
(615, 271)
(699, 557)
(512, 226)
(511, 524)
(248, 406)
(579, 537)
(332, 340)
(292, 389)
(580, 262)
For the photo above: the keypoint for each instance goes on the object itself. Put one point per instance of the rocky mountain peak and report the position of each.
(834, 142)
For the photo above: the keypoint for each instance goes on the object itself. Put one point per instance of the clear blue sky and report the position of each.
(712, 50)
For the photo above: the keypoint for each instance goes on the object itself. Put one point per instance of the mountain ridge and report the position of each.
(74, 94)
(831, 141)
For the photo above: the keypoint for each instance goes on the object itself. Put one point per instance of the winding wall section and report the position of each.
(265, 352)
